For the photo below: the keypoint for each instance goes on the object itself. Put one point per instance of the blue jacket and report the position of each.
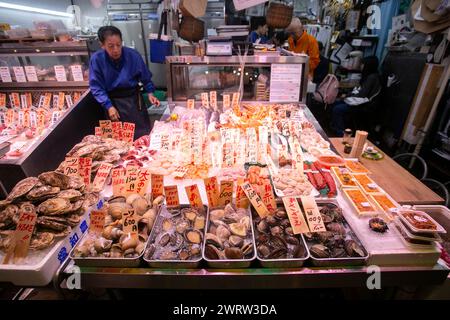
(105, 75)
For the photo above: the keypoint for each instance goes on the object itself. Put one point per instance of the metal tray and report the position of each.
(173, 264)
(347, 261)
(281, 263)
(230, 263)
(108, 262)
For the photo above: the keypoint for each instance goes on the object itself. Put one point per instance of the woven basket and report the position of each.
(192, 29)
(279, 15)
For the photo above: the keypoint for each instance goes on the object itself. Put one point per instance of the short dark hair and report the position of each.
(256, 22)
(107, 31)
(320, 44)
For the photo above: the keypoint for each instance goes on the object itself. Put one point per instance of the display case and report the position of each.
(41, 85)
(264, 78)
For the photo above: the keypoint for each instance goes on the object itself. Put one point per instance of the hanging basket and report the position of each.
(279, 15)
(192, 29)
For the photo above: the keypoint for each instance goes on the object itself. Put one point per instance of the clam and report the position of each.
(246, 222)
(117, 199)
(327, 218)
(132, 197)
(23, 187)
(194, 250)
(336, 228)
(292, 240)
(193, 236)
(81, 251)
(42, 192)
(70, 194)
(212, 253)
(262, 226)
(299, 252)
(285, 223)
(325, 236)
(247, 248)
(271, 221)
(189, 213)
(280, 214)
(223, 232)
(263, 250)
(238, 229)
(213, 240)
(140, 247)
(112, 232)
(338, 253)
(320, 251)
(182, 225)
(184, 255)
(276, 231)
(54, 206)
(278, 253)
(288, 231)
(235, 241)
(101, 244)
(353, 249)
(150, 214)
(233, 253)
(116, 209)
(140, 206)
(164, 240)
(229, 209)
(55, 179)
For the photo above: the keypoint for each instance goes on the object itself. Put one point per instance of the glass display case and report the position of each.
(264, 78)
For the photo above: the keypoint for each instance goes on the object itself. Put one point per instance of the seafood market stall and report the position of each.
(233, 188)
(40, 110)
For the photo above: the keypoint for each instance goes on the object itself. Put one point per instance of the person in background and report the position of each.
(259, 33)
(302, 42)
(323, 67)
(370, 87)
(115, 72)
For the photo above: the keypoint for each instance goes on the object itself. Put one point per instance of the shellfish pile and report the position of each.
(338, 241)
(291, 183)
(100, 149)
(229, 235)
(275, 238)
(178, 235)
(58, 200)
(113, 241)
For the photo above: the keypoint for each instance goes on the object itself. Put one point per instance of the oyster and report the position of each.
(42, 192)
(233, 253)
(23, 187)
(353, 249)
(41, 240)
(76, 183)
(60, 234)
(262, 226)
(55, 179)
(320, 251)
(54, 206)
(70, 194)
(73, 220)
(263, 250)
(53, 223)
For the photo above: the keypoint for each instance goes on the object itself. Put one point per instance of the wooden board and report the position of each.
(402, 186)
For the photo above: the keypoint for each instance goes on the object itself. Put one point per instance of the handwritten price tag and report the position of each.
(61, 100)
(2, 100)
(212, 191)
(312, 213)
(131, 177)
(143, 181)
(46, 101)
(118, 181)
(226, 192)
(14, 98)
(213, 99)
(295, 215)
(205, 100)
(60, 73)
(97, 221)
(101, 176)
(194, 196)
(106, 127)
(191, 104)
(267, 196)
(128, 132)
(77, 73)
(157, 185)
(20, 74)
(130, 222)
(85, 169)
(5, 74)
(98, 131)
(171, 193)
(255, 200)
(71, 166)
(226, 101)
(117, 130)
(31, 74)
(241, 199)
(235, 103)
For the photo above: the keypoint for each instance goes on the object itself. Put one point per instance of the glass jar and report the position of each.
(346, 139)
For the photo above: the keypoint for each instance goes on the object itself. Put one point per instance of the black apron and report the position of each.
(131, 108)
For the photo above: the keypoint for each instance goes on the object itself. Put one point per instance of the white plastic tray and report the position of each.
(439, 228)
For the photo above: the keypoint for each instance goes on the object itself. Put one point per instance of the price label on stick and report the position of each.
(157, 185)
(313, 216)
(106, 126)
(97, 221)
(2, 100)
(85, 169)
(241, 199)
(128, 132)
(226, 101)
(226, 192)
(213, 99)
(101, 176)
(191, 104)
(71, 166)
(255, 199)
(130, 223)
(172, 198)
(194, 196)
(131, 176)
(118, 181)
(14, 99)
(295, 215)
(205, 100)
(61, 100)
(117, 130)
(212, 191)
(31, 74)
(143, 181)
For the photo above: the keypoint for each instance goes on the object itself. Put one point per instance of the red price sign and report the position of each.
(171, 193)
(117, 130)
(85, 169)
(226, 192)
(118, 181)
(128, 132)
(157, 185)
(143, 181)
(212, 191)
(97, 221)
(101, 176)
(194, 196)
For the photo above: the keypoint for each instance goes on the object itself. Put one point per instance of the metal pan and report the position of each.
(157, 229)
(108, 262)
(281, 263)
(231, 263)
(344, 261)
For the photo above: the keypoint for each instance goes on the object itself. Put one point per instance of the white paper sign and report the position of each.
(55, 117)
(31, 73)
(5, 74)
(244, 4)
(20, 74)
(60, 73)
(33, 119)
(285, 81)
(77, 73)
(69, 101)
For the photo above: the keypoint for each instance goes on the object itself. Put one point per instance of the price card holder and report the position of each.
(118, 181)
(131, 176)
(22, 236)
(157, 185)
(97, 221)
(60, 73)
(33, 119)
(69, 101)
(212, 191)
(77, 72)
(313, 216)
(31, 74)
(85, 169)
(10, 117)
(172, 198)
(226, 192)
(226, 101)
(194, 197)
(5, 74)
(24, 101)
(191, 104)
(71, 166)
(15, 100)
(41, 113)
(295, 215)
(255, 199)
(20, 74)
(21, 119)
(241, 199)
(106, 127)
(100, 177)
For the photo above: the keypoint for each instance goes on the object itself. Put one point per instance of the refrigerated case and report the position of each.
(63, 125)
(264, 78)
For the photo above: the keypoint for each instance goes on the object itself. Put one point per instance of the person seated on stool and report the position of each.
(370, 86)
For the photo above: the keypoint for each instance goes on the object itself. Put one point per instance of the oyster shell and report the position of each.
(212, 253)
(42, 192)
(55, 179)
(41, 240)
(53, 223)
(54, 206)
(70, 194)
(76, 183)
(23, 187)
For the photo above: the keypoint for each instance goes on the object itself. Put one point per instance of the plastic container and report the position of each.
(415, 243)
(411, 235)
(344, 177)
(331, 161)
(419, 216)
(366, 184)
(363, 207)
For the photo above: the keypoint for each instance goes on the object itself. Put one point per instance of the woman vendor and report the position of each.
(114, 78)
